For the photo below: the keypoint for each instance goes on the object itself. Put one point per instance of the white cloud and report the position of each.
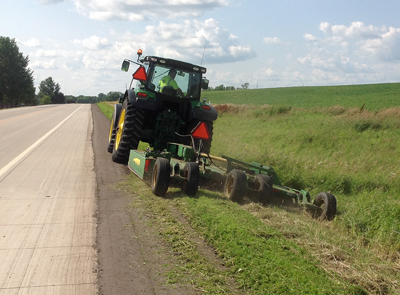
(33, 42)
(186, 41)
(93, 43)
(355, 30)
(272, 40)
(50, 53)
(48, 2)
(387, 47)
(310, 37)
(135, 10)
(347, 54)
(48, 65)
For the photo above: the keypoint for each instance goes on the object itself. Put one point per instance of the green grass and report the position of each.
(107, 109)
(321, 151)
(259, 259)
(374, 96)
(319, 140)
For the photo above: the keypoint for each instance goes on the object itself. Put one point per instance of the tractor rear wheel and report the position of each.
(235, 185)
(327, 204)
(263, 186)
(128, 132)
(161, 176)
(191, 174)
(113, 127)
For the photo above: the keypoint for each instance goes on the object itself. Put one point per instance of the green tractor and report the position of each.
(164, 107)
(165, 110)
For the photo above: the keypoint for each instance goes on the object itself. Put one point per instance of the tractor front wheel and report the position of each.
(263, 186)
(191, 174)
(127, 133)
(161, 176)
(327, 206)
(235, 185)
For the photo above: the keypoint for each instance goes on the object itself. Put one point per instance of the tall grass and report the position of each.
(353, 154)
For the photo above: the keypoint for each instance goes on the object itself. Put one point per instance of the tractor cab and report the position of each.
(165, 102)
(167, 77)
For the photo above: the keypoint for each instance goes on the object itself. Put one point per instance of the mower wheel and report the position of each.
(161, 176)
(192, 176)
(235, 185)
(327, 204)
(113, 127)
(263, 186)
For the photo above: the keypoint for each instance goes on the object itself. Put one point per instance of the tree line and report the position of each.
(17, 82)
(222, 87)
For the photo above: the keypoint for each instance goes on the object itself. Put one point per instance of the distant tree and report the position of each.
(16, 79)
(245, 85)
(59, 98)
(113, 95)
(50, 88)
(230, 88)
(70, 99)
(45, 100)
(220, 87)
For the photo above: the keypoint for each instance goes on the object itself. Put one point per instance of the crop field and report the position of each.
(374, 96)
(344, 140)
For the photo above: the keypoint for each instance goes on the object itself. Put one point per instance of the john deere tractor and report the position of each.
(160, 113)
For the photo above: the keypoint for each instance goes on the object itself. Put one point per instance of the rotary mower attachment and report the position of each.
(188, 166)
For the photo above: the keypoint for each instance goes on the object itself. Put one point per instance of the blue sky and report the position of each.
(82, 43)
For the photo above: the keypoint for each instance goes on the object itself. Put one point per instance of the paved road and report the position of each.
(47, 201)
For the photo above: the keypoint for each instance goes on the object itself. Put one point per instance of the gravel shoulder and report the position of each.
(131, 258)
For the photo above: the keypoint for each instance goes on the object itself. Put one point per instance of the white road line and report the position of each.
(13, 162)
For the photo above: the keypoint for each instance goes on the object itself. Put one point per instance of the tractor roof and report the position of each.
(174, 63)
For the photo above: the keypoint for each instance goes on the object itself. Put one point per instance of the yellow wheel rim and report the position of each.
(111, 129)
(154, 178)
(229, 187)
(120, 128)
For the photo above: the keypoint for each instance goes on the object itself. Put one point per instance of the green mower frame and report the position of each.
(179, 131)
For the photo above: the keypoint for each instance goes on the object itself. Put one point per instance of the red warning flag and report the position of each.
(201, 131)
(140, 74)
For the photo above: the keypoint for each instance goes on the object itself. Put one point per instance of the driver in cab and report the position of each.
(169, 81)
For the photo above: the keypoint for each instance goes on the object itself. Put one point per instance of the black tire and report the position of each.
(263, 186)
(327, 204)
(206, 143)
(113, 127)
(235, 185)
(128, 132)
(161, 176)
(192, 176)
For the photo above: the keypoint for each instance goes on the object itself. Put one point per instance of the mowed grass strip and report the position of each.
(261, 259)
(254, 258)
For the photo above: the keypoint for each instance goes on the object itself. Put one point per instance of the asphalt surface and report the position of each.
(65, 226)
(47, 201)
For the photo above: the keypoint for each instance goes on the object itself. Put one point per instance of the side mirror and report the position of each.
(125, 66)
(204, 84)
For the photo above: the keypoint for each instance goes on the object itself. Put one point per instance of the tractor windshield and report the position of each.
(188, 82)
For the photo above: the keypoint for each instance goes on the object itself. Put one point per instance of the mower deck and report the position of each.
(240, 179)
